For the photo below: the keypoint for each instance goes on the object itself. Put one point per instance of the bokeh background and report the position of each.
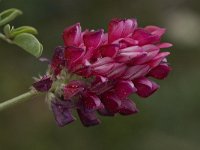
(170, 119)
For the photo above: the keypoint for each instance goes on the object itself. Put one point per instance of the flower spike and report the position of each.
(97, 72)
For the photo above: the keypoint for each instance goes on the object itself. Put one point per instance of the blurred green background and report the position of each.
(170, 119)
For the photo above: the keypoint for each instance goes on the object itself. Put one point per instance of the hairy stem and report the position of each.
(17, 100)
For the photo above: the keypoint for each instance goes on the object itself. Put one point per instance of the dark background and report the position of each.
(167, 120)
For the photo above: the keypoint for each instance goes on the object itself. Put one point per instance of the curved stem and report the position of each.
(3, 37)
(18, 99)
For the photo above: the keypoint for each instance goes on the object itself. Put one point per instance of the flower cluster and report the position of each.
(96, 72)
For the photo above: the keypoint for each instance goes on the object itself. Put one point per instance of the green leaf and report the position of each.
(11, 32)
(9, 15)
(29, 43)
(23, 29)
(7, 30)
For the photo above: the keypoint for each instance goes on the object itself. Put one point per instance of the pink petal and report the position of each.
(155, 30)
(72, 35)
(157, 60)
(90, 54)
(141, 73)
(93, 39)
(136, 71)
(144, 37)
(86, 63)
(73, 54)
(100, 85)
(99, 79)
(73, 88)
(102, 79)
(151, 52)
(105, 112)
(102, 66)
(128, 54)
(102, 61)
(150, 40)
(126, 42)
(164, 45)
(127, 57)
(150, 48)
(115, 29)
(85, 71)
(145, 87)
(105, 38)
(109, 50)
(117, 71)
(91, 102)
(160, 72)
(111, 102)
(131, 49)
(124, 88)
(129, 26)
(144, 81)
(103, 70)
(58, 61)
(128, 107)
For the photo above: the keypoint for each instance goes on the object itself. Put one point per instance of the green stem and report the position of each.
(17, 100)
(3, 37)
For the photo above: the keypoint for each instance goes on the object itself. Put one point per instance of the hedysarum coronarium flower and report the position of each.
(97, 72)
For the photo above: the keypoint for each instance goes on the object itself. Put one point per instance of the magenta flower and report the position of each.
(102, 70)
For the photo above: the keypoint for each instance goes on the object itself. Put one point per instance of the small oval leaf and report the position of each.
(23, 29)
(29, 43)
(9, 15)
(7, 30)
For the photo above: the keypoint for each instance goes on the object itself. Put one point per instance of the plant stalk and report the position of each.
(3, 37)
(16, 100)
